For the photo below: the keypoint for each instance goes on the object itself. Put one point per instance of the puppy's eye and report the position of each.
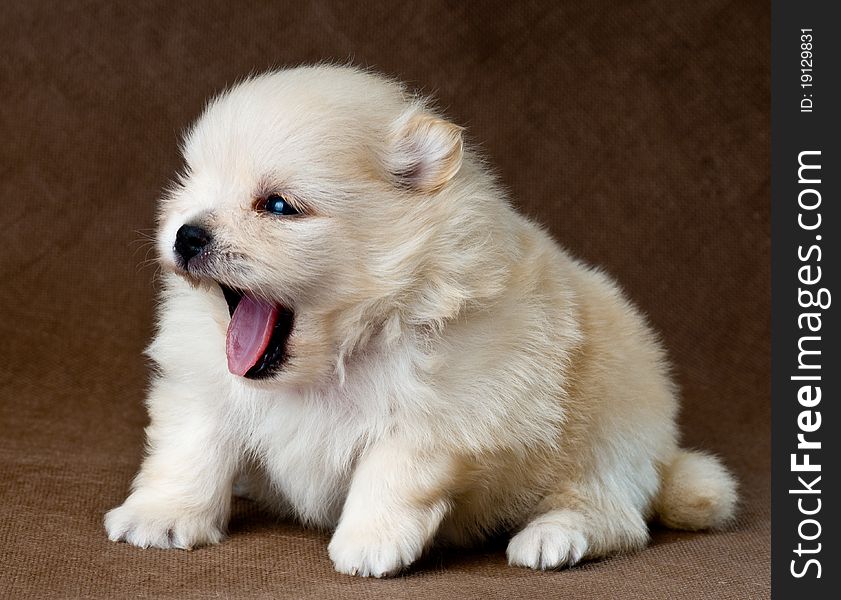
(277, 205)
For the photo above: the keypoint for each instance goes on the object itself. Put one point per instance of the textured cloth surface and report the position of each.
(638, 132)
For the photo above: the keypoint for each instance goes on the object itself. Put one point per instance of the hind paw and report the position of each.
(551, 541)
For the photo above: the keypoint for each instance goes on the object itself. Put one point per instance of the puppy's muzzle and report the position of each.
(190, 240)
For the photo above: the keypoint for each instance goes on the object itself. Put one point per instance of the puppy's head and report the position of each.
(324, 204)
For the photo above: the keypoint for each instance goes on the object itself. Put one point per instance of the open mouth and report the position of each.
(257, 334)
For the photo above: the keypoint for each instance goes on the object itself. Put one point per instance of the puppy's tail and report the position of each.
(696, 492)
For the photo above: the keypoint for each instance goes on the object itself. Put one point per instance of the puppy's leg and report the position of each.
(181, 496)
(396, 502)
(585, 521)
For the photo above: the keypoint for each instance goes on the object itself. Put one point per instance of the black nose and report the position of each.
(190, 240)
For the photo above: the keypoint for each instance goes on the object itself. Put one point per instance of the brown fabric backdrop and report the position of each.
(637, 131)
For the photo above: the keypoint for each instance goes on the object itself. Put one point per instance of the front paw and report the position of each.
(146, 524)
(370, 553)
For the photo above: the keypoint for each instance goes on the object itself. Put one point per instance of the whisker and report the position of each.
(148, 249)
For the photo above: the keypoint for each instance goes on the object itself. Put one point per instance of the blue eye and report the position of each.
(277, 205)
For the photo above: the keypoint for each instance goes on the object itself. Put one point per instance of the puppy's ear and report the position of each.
(424, 151)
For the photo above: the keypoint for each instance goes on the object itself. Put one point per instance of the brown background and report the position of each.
(638, 132)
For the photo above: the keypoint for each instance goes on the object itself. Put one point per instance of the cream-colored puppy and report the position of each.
(357, 329)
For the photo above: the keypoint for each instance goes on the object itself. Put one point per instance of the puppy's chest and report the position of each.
(309, 456)
(310, 445)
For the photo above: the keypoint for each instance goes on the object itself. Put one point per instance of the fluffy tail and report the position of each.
(696, 492)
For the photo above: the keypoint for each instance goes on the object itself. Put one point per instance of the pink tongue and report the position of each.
(249, 332)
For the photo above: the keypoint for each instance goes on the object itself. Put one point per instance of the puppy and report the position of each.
(358, 330)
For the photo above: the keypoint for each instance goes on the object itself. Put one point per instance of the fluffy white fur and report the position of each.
(452, 373)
